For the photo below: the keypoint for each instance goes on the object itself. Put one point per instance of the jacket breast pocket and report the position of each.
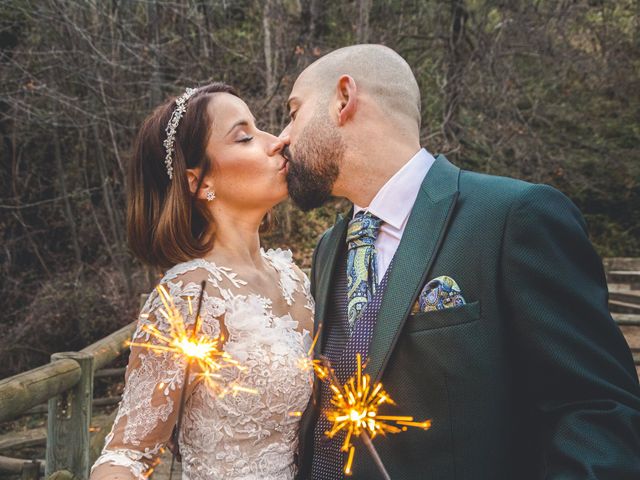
(448, 317)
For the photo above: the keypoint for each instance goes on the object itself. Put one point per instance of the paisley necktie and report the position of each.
(362, 276)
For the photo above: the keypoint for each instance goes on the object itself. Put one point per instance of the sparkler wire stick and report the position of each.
(187, 372)
(374, 453)
(355, 410)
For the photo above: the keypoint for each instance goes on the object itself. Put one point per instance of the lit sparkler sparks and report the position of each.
(153, 465)
(317, 365)
(196, 348)
(355, 410)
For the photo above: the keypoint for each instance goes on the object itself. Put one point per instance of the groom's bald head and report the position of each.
(355, 115)
(377, 71)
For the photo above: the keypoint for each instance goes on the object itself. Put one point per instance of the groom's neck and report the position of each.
(367, 167)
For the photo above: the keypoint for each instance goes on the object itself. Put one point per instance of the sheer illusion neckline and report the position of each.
(278, 259)
(248, 434)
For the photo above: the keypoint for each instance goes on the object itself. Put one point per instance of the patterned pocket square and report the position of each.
(438, 294)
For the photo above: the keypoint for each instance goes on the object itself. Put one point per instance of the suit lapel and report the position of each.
(335, 242)
(420, 242)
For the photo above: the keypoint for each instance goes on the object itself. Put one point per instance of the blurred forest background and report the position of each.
(546, 91)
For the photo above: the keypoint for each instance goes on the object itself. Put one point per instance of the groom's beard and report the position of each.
(315, 165)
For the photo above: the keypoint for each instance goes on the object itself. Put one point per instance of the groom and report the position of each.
(478, 301)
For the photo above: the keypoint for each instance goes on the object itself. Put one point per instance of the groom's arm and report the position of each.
(574, 365)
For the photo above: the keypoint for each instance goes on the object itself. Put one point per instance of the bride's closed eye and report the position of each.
(245, 139)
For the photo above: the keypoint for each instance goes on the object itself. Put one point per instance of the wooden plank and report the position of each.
(69, 419)
(30, 471)
(97, 402)
(62, 475)
(627, 296)
(621, 263)
(110, 347)
(15, 465)
(25, 390)
(623, 307)
(106, 401)
(28, 438)
(627, 319)
(110, 372)
(100, 425)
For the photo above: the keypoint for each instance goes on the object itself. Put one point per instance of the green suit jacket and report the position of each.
(531, 378)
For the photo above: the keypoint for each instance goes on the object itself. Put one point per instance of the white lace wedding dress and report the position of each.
(238, 436)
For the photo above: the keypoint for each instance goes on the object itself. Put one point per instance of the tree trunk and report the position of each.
(364, 8)
(455, 71)
(270, 83)
(65, 197)
(155, 96)
(112, 213)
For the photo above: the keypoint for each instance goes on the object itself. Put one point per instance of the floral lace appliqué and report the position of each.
(236, 436)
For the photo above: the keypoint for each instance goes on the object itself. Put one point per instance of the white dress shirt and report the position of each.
(393, 203)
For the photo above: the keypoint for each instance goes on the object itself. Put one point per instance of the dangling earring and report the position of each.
(210, 195)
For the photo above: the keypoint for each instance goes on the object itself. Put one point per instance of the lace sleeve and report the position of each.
(154, 382)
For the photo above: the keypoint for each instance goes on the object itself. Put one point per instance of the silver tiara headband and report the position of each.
(169, 143)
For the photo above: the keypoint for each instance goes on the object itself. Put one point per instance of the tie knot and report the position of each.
(363, 229)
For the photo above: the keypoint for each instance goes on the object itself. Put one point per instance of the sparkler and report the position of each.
(310, 363)
(194, 347)
(355, 410)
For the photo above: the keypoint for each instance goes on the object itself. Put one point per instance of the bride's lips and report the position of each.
(284, 164)
(285, 159)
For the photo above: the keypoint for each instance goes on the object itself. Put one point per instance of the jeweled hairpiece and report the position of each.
(169, 143)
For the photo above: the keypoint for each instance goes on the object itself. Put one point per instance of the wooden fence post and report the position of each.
(30, 471)
(69, 417)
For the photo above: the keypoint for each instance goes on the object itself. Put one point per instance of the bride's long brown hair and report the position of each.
(165, 221)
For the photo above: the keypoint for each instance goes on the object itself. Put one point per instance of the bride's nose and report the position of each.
(275, 145)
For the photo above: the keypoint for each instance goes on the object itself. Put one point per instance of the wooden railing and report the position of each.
(66, 383)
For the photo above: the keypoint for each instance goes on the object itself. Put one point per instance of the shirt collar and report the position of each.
(394, 201)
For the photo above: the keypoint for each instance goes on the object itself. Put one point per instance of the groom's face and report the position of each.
(315, 150)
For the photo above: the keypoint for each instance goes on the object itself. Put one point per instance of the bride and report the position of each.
(201, 182)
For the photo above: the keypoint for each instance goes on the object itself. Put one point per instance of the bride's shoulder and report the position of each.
(177, 291)
(282, 260)
(219, 280)
(280, 257)
(197, 268)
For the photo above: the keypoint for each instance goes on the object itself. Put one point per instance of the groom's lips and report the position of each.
(286, 153)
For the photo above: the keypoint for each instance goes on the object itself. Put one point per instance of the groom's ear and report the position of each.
(347, 98)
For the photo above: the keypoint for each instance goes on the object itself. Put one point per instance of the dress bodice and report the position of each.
(249, 433)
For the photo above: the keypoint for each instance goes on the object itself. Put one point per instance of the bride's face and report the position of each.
(248, 168)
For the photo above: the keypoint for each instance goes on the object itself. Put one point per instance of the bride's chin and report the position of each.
(281, 196)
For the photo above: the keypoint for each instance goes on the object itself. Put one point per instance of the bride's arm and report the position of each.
(150, 402)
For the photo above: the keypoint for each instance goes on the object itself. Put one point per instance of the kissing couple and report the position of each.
(478, 301)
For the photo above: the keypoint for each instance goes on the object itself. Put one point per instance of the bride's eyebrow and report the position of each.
(243, 122)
